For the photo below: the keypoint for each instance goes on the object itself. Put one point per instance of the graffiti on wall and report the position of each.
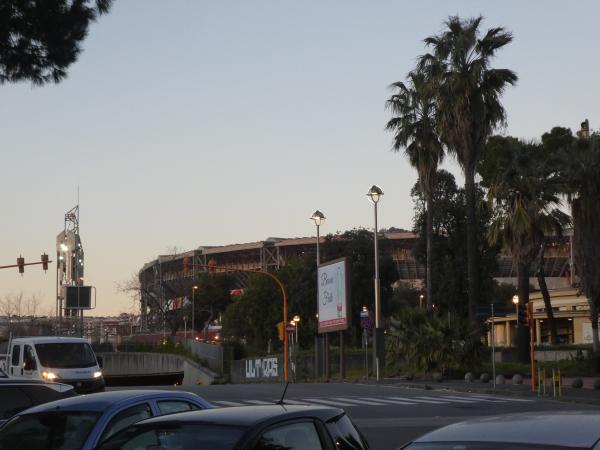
(261, 368)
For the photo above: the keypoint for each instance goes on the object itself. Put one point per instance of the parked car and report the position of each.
(269, 427)
(525, 431)
(84, 421)
(17, 395)
(64, 359)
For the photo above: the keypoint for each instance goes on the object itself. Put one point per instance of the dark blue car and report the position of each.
(83, 422)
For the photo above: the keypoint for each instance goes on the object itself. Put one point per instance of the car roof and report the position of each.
(9, 381)
(568, 428)
(248, 416)
(104, 400)
(48, 340)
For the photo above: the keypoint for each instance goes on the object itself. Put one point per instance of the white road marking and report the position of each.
(360, 402)
(418, 400)
(327, 402)
(394, 402)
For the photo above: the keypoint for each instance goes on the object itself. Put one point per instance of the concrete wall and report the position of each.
(211, 353)
(509, 355)
(132, 364)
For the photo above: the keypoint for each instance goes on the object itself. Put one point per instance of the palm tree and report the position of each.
(581, 166)
(413, 125)
(468, 108)
(524, 192)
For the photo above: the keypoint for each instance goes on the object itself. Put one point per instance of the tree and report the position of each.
(413, 125)
(524, 190)
(39, 40)
(580, 169)
(450, 262)
(468, 108)
(212, 298)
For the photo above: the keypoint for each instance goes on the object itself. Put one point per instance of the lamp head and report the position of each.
(375, 193)
(515, 299)
(318, 217)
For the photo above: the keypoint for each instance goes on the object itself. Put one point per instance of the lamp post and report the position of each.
(375, 194)
(318, 217)
(194, 288)
(515, 300)
(296, 321)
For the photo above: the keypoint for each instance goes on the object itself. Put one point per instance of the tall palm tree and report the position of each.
(581, 168)
(414, 128)
(468, 106)
(524, 193)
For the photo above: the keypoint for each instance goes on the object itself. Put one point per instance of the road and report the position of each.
(387, 415)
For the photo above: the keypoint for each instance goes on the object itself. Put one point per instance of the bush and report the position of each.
(102, 347)
(577, 383)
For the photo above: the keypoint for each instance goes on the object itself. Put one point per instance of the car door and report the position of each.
(293, 435)
(30, 366)
(15, 361)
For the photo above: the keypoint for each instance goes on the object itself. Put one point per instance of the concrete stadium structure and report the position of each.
(163, 281)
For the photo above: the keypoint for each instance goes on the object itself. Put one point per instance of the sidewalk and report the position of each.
(588, 396)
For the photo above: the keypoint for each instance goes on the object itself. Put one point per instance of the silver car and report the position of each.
(526, 431)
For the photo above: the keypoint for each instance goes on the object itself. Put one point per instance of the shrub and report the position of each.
(577, 383)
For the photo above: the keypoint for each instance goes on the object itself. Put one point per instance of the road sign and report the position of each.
(364, 314)
(289, 329)
(366, 323)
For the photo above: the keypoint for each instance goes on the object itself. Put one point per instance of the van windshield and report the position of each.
(65, 355)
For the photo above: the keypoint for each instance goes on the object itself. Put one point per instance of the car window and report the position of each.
(293, 436)
(162, 436)
(29, 362)
(345, 435)
(47, 431)
(16, 353)
(14, 400)
(125, 418)
(42, 394)
(174, 406)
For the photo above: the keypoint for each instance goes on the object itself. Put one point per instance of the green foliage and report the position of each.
(211, 298)
(39, 40)
(449, 227)
(424, 343)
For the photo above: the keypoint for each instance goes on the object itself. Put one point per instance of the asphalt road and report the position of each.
(387, 415)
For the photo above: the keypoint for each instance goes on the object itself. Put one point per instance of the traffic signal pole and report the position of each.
(188, 265)
(21, 263)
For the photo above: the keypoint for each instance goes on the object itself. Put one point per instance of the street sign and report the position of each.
(289, 329)
(366, 323)
(364, 314)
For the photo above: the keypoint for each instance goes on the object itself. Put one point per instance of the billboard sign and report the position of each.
(78, 297)
(334, 296)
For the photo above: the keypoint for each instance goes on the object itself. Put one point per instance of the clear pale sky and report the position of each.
(189, 123)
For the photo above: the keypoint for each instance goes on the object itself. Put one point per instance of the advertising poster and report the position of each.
(334, 296)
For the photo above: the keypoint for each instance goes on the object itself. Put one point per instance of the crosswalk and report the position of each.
(356, 401)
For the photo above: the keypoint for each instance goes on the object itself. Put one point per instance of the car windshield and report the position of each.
(483, 446)
(175, 436)
(48, 431)
(65, 355)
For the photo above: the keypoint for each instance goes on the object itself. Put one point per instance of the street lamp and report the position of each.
(296, 321)
(375, 194)
(515, 300)
(194, 288)
(318, 217)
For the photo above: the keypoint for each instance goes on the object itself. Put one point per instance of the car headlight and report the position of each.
(97, 374)
(50, 376)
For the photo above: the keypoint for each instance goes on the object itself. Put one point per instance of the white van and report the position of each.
(60, 359)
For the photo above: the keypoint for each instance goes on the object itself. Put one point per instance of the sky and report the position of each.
(189, 123)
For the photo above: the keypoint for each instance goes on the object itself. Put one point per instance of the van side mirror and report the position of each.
(100, 360)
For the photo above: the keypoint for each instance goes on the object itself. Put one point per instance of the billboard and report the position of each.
(334, 296)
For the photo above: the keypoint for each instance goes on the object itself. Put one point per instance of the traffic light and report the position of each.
(21, 264)
(281, 331)
(45, 262)
(187, 264)
(522, 317)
